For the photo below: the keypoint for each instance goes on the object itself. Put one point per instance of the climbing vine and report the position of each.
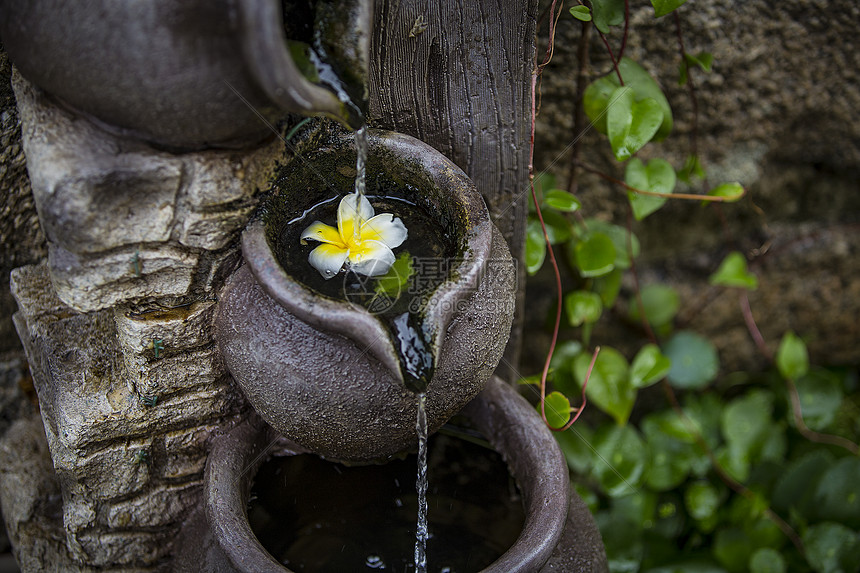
(756, 473)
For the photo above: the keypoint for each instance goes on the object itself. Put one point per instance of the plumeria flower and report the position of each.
(362, 242)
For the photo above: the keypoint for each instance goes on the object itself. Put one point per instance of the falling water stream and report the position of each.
(421, 487)
(360, 170)
(421, 532)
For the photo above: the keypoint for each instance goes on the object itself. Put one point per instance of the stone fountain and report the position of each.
(145, 171)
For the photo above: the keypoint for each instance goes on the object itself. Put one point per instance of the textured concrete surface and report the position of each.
(21, 239)
(129, 224)
(777, 113)
(127, 429)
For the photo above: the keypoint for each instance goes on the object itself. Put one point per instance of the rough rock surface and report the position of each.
(21, 239)
(127, 426)
(777, 113)
(127, 223)
(117, 331)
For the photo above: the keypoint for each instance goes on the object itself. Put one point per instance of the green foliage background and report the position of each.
(744, 472)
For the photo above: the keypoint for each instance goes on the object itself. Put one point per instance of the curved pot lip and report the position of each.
(505, 418)
(352, 321)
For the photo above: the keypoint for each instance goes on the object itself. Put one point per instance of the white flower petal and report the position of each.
(351, 209)
(319, 231)
(374, 258)
(385, 228)
(328, 259)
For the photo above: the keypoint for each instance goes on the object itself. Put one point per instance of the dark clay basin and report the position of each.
(558, 533)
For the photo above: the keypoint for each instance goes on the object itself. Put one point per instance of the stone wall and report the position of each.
(21, 239)
(777, 113)
(117, 329)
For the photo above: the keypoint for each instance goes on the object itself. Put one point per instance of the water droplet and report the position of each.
(374, 562)
(398, 502)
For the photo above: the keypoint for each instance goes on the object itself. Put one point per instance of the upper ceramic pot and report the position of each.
(325, 372)
(188, 74)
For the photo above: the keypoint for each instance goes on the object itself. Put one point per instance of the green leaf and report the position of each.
(597, 95)
(535, 247)
(745, 423)
(557, 409)
(608, 286)
(702, 500)
(533, 380)
(626, 243)
(663, 7)
(300, 53)
(694, 361)
(661, 304)
(609, 385)
(608, 13)
(703, 60)
(734, 464)
(796, 486)
(733, 273)
(732, 549)
(832, 548)
(623, 541)
(792, 358)
(392, 282)
(821, 394)
(562, 200)
(594, 255)
(630, 124)
(657, 177)
(837, 497)
(732, 191)
(558, 227)
(582, 306)
(767, 560)
(639, 507)
(587, 495)
(575, 444)
(544, 181)
(621, 460)
(581, 13)
(649, 366)
(561, 367)
(692, 169)
(704, 410)
(671, 459)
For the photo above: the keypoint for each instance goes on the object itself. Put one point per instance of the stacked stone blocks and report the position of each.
(117, 326)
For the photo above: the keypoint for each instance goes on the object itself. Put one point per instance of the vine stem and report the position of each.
(553, 20)
(691, 87)
(611, 57)
(635, 274)
(791, 387)
(579, 109)
(626, 28)
(812, 435)
(685, 196)
(731, 482)
(752, 327)
(581, 409)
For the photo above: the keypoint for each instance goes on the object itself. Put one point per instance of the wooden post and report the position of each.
(457, 76)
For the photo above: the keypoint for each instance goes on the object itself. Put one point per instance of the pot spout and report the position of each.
(335, 54)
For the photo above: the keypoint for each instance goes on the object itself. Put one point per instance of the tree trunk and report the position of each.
(457, 76)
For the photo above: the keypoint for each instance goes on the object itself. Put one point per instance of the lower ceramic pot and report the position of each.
(558, 535)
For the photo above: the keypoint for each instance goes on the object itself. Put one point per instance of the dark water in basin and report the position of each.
(430, 247)
(316, 516)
